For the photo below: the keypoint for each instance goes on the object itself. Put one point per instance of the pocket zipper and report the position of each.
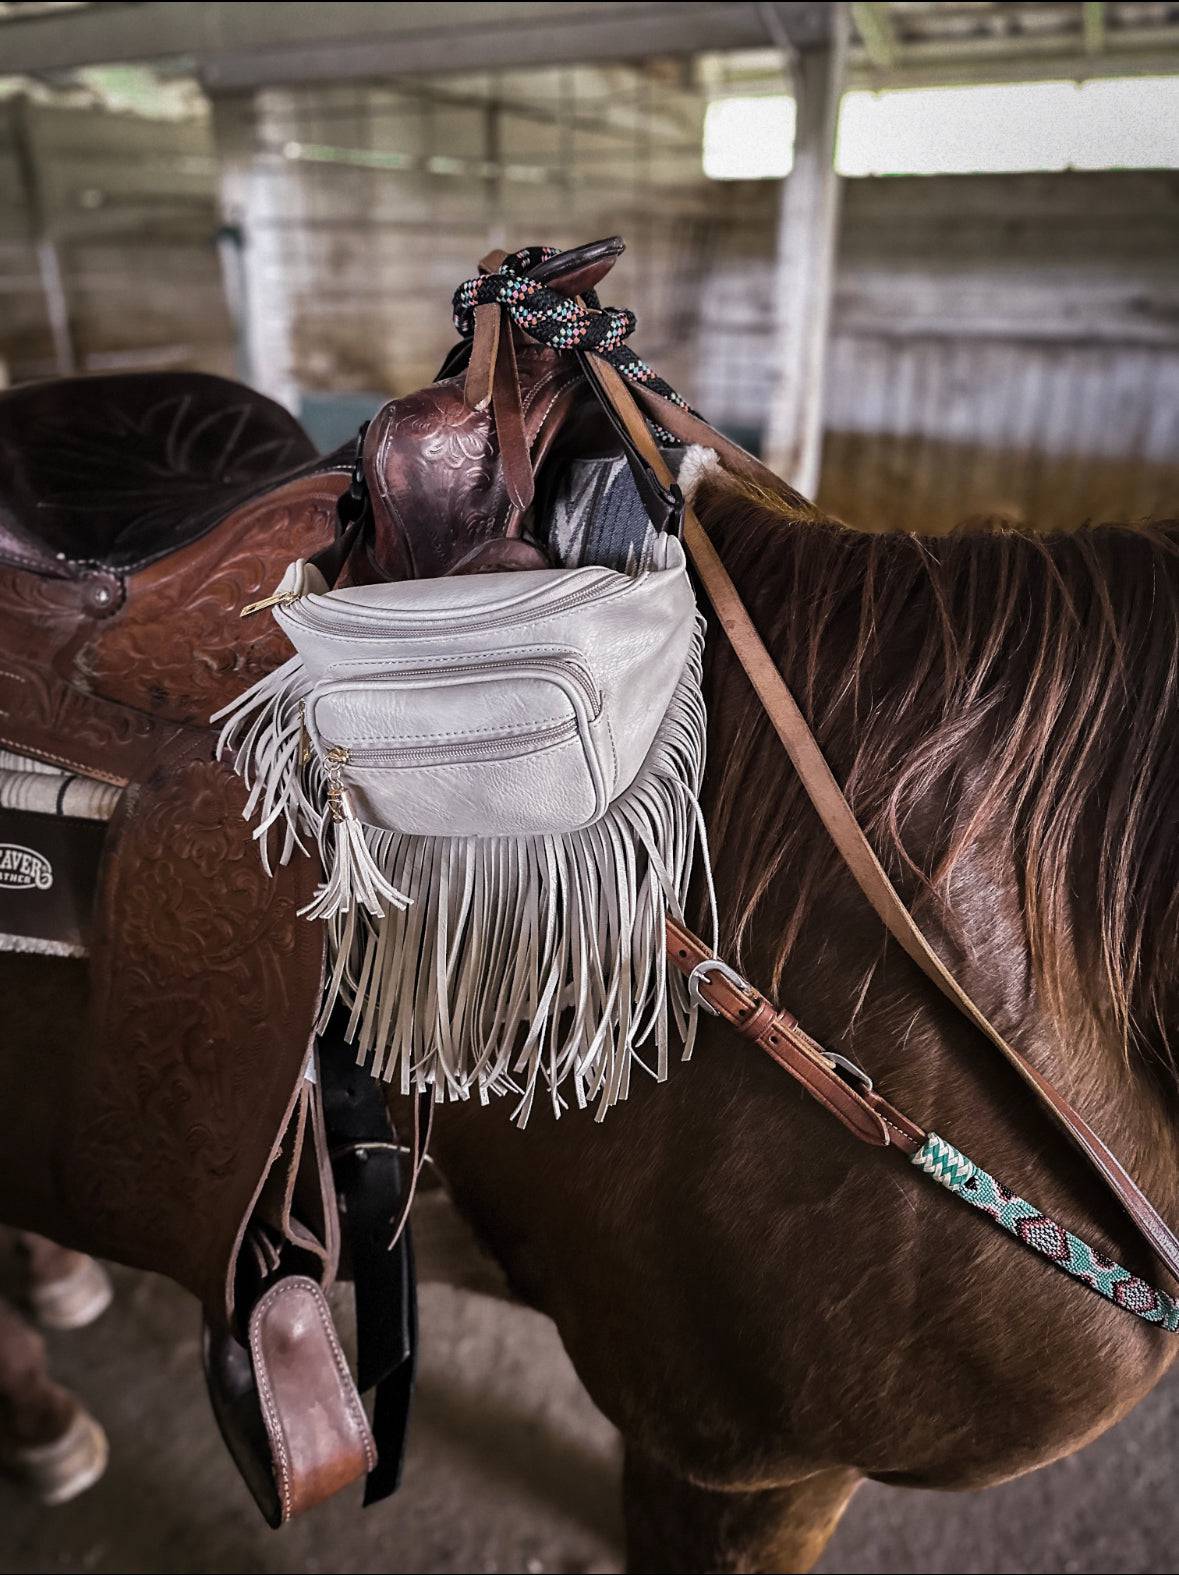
(335, 757)
(564, 664)
(451, 754)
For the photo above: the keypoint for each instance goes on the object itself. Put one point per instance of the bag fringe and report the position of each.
(519, 964)
(263, 729)
(535, 964)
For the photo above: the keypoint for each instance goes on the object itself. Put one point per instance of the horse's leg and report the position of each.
(64, 1289)
(673, 1525)
(48, 1441)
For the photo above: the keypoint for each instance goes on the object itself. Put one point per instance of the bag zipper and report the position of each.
(336, 756)
(279, 599)
(469, 623)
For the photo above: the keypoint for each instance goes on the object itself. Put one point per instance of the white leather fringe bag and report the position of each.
(502, 774)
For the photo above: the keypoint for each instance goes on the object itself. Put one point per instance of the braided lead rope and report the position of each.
(951, 1169)
(559, 322)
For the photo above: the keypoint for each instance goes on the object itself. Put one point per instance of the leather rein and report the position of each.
(841, 1087)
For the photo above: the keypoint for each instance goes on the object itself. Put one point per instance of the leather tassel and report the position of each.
(514, 456)
(264, 731)
(477, 388)
(353, 878)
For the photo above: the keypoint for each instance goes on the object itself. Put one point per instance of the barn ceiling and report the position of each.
(237, 44)
(944, 41)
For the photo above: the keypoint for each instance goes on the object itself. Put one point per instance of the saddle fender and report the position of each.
(170, 1136)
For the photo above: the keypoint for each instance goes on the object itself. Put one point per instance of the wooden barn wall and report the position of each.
(131, 206)
(364, 208)
(999, 345)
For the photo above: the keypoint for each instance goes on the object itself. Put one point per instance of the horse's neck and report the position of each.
(814, 941)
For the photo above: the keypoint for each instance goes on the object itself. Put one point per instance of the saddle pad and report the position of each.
(596, 516)
(52, 828)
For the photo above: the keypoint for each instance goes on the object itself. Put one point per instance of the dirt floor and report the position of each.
(512, 1469)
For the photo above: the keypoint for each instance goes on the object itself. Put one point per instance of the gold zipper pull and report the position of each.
(279, 599)
(334, 761)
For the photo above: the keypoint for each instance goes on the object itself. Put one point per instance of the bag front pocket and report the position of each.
(505, 746)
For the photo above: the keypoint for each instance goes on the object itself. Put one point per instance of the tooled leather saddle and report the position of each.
(198, 1131)
(198, 1128)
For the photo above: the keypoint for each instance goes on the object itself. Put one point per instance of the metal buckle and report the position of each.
(853, 1073)
(701, 971)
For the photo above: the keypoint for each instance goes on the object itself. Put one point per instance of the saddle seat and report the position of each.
(119, 471)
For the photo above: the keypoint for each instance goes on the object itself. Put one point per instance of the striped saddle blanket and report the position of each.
(52, 825)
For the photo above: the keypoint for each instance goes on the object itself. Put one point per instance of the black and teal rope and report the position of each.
(1038, 1231)
(555, 320)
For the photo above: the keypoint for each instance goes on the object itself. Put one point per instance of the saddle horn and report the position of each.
(451, 469)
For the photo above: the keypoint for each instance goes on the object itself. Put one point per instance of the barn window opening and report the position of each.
(999, 128)
(749, 138)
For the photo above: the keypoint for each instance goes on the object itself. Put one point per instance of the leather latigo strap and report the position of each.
(848, 836)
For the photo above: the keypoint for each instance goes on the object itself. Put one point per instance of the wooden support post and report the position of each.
(874, 26)
(260, 197)
(1093, 26)
(57, 308)
(808, 219)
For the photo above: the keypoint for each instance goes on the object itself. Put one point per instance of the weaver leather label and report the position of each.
(22, 869)
(48, 876)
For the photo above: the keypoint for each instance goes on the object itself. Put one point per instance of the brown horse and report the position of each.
(767, 1310)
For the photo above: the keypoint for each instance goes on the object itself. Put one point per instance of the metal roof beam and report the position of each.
(874, 25)
(242, 43)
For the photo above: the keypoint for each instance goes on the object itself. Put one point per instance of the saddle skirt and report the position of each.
(184, 1130)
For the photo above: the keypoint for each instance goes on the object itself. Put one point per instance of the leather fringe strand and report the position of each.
(511, 966)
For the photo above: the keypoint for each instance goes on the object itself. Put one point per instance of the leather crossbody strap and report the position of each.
(848, 836)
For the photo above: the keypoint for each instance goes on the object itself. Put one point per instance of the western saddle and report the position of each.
(201, 1127)
(198, 1131)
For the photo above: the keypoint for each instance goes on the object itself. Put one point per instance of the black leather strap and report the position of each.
(353, 513)
(664, 504)
(366, 1164)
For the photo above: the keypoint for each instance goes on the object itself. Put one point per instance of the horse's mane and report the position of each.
(992, 688)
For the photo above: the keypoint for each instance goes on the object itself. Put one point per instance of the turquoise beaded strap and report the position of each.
(1043, 1235)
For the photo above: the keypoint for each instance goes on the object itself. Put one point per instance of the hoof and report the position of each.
(57, 1472)
(71, 1300)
